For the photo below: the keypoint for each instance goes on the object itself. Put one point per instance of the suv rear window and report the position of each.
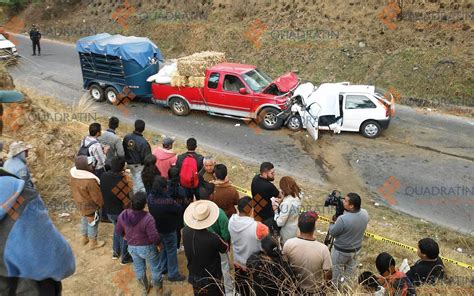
(359, 102)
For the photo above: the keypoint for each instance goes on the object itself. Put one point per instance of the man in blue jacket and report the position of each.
(34, 255)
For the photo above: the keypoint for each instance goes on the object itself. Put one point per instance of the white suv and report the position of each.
(7, 48)
(340, 107)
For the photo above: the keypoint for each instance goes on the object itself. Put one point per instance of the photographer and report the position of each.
(348, 232)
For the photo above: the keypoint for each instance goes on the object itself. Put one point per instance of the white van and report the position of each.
(340, 107)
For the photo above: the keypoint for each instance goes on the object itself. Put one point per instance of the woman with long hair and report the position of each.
(286, 215)
(149, 172)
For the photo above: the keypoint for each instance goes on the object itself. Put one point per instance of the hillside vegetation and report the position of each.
(421, 50)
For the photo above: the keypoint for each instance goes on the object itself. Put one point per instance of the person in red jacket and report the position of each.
(165, 157)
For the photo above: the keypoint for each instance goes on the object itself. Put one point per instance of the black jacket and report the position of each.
(426, 272)
(35, 34)
(136, 148)
(166, 212)
(266, 190)
(202, 250)
(115, 191)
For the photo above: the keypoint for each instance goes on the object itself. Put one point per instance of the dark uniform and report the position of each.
(35, 37)
(136, 149)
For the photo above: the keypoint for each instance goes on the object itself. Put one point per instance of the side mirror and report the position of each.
(243, 91)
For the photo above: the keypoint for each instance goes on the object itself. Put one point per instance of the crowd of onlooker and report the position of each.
(162, 204)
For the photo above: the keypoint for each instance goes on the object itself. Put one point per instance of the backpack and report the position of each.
(84, 149)
(188, 175)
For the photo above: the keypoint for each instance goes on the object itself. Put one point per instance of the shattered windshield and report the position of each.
(257, 80)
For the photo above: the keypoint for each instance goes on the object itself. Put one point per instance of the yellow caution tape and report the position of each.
(242, 190)
(378, 237)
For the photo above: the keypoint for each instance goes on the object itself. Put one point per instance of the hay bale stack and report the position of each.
(178, 80)
(196, 81)
(192, 67)
(196, 64)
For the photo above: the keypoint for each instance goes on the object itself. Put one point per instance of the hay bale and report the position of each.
(213, 56)
(192, 67)
(178, 80)
(196, 64)
(196, 81)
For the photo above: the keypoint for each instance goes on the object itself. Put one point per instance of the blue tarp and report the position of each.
(128, 48)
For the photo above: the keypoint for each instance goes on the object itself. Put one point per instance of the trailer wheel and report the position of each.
(268, 119)
(111, 95)
(179, 107)
(96, 92)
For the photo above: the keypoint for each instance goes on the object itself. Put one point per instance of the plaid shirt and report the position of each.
(96, 151)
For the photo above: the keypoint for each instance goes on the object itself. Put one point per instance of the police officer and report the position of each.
(136, 149)
(35, 37)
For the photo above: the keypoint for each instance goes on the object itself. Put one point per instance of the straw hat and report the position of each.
(17, 148)
(201, 214)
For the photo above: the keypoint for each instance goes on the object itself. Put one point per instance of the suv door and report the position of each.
(357, 109)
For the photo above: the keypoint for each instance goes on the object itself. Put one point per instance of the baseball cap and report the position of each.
(308, 217)
(17, 148)
(168, 141)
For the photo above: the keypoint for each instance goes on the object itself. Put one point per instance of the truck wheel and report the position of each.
(370, 129)
(268, 119)
(179, 107)
(97, 93)
(294, 123)
(111, 95)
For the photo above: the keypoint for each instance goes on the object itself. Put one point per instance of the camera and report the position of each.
(335, 199)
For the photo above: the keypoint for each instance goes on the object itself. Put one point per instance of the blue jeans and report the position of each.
(119, 245)
(169, 257)
(143, 254)
(343, 265)
(87, 230)
(136, 172)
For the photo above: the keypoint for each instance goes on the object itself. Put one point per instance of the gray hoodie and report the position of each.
(245, 234)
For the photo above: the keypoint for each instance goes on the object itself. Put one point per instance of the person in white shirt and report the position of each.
(286, 215)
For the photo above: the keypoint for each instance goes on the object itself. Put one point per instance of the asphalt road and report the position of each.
(423, 153)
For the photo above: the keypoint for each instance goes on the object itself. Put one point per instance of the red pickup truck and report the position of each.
(232, 90)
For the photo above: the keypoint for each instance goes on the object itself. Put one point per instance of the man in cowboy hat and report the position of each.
(202, 248)
(16, 162)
